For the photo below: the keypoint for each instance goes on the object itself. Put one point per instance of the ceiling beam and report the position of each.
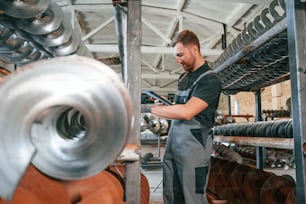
(180, 4)
(146, 82)
(215, 26)
(212, 43)
(170, 34)
(160, 10)
(262, 2)
(177, 70)
(100, 27)
(156, 30)
(167, 84)
(165, 90)
(162, 75)
(237, 13)
(150, 66)
(89, 7)
(147, 50)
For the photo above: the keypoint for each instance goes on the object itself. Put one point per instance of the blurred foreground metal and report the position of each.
(69, 116)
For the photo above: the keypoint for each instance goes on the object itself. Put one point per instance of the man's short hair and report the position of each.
(186, 37)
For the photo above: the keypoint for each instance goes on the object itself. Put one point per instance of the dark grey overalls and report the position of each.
(186, 160)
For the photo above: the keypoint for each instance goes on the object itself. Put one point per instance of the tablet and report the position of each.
(158, 97)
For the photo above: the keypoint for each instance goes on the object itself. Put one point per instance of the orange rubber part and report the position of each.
(106, 187)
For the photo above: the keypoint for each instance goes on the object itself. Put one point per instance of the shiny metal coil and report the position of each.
(47, 32)
(155, 124)
(268, 18)
(22, 8)
(241, 67)
(68, 116)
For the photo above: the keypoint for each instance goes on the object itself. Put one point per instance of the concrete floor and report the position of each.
(154, 174)
(156, 188)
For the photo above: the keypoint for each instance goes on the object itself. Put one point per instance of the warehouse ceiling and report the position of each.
(94, 20)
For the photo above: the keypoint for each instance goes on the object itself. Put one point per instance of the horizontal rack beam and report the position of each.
(280, 143)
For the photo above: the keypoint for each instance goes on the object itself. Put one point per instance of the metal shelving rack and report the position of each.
(296, 43)
(128, 27)
(267, 58)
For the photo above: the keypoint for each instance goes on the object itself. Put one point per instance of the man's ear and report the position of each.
(195, 49)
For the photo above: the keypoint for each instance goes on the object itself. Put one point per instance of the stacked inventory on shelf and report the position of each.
(259, 57)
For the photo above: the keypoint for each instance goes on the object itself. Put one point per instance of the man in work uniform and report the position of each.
(189, 146)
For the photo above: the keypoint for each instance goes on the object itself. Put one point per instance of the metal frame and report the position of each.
(128, 28)
(297, 64)
(295, 23)
(280, 143)
(260, 150)
(133, 70)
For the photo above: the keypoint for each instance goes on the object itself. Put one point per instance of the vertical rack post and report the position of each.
(224, 45)
(296, 29)
(260, 151)
(133, 62)
(120, 11)
(258, 105)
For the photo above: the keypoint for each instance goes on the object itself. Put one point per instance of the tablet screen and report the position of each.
(158, 97)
